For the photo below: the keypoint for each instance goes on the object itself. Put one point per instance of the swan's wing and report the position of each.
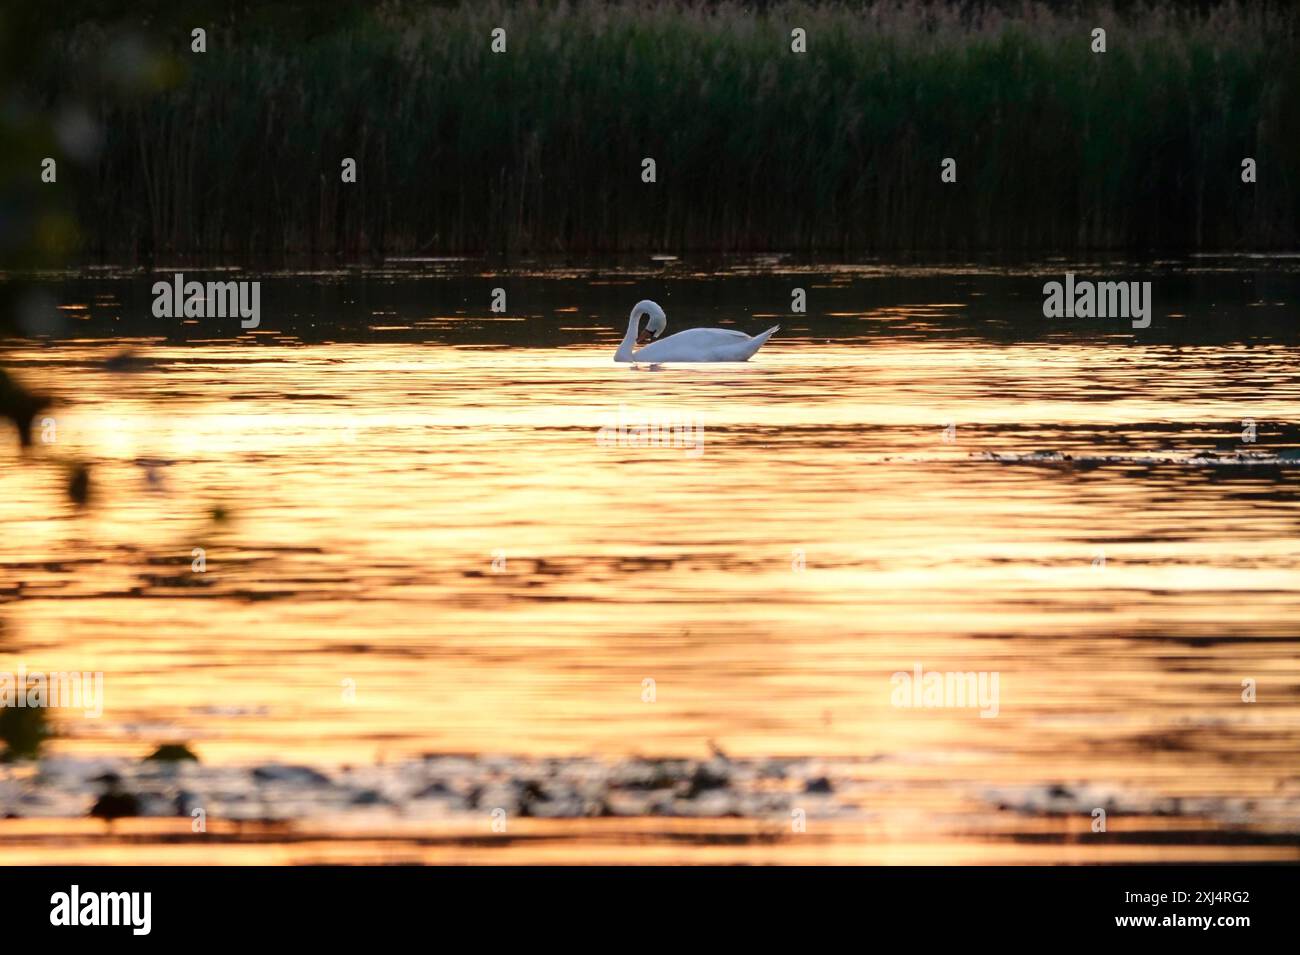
(702, 336)
(725, 332)
(694, 344)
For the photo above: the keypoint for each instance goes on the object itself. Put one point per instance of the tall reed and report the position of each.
(539, 149)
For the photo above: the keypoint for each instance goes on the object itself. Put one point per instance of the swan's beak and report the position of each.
(644, 337)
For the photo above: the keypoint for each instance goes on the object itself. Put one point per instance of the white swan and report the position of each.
(694, 344)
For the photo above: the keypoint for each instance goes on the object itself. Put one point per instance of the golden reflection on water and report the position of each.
(828, 535)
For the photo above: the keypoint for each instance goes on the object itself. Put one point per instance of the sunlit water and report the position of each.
(424, 542)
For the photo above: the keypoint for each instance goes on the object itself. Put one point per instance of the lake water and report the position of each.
(419, 540)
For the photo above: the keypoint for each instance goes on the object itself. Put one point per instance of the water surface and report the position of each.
(417, 541)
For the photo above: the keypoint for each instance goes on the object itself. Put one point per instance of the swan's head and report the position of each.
(658, 321)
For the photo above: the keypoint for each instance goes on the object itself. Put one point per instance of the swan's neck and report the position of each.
(624, 352)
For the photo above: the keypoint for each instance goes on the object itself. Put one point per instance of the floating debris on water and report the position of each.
(435, 786)
(114, 802)
(1281, 812)
(172, 753)
(1215, 459)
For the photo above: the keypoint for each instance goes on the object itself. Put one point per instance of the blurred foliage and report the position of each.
(24, 729)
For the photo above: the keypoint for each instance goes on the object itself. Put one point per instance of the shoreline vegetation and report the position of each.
(237, 151)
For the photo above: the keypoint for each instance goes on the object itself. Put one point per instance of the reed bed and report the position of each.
(540, 149)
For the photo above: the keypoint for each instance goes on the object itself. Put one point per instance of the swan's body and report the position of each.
(694, 344)
(704, 344)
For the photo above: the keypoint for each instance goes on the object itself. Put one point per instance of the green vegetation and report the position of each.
(757, 148)
(24, 731)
